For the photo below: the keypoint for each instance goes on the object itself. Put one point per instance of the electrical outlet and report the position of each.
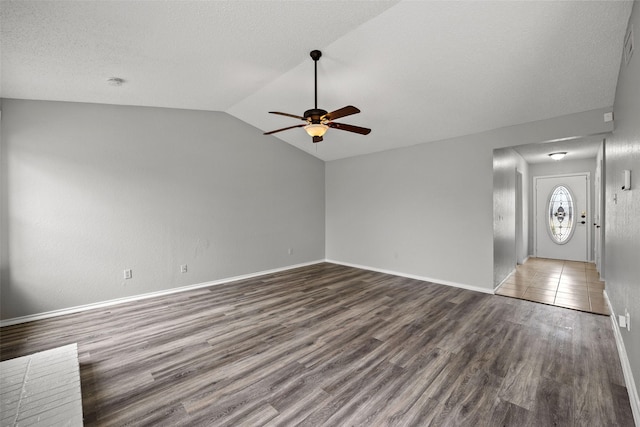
(627, 318)
(622, 321)
(183, 268)
(128, 273)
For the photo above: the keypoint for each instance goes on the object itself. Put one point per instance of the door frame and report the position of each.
(520, 253)
(599, 206)
(535, 209)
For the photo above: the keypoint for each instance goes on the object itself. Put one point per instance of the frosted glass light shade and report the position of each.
(316, 129)
(557, 156)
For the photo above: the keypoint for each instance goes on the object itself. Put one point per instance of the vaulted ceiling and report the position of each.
(420, 71)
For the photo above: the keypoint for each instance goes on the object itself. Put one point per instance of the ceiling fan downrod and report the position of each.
(315, 55)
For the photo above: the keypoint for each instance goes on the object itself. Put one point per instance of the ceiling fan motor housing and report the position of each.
(314, 115)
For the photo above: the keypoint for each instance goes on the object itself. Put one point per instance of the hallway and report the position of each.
(568, 284)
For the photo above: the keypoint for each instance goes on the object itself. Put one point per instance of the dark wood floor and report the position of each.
(337, 346)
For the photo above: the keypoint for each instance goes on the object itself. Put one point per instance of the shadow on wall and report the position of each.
(11, 293)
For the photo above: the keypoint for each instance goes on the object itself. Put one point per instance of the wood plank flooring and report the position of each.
(337, 346)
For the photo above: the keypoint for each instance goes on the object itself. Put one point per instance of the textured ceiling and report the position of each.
(420, 71)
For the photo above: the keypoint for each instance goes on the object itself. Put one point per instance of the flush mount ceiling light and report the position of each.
(559, 155)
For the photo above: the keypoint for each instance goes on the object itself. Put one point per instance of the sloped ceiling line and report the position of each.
(420, 71)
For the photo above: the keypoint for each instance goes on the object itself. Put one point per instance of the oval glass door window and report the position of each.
(561, 221)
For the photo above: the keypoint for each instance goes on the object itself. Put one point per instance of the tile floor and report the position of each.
(568, 284)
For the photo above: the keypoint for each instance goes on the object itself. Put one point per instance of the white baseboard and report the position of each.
(525, 260)
(62, 312)
(413, 276)
(504, 280)
(632, 390)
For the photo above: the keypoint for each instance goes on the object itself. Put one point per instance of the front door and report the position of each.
(562, 217)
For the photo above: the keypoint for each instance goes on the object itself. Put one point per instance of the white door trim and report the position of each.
(535, 209)
(520, 253)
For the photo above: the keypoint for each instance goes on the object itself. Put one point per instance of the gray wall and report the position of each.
(506, 163)
(622, 219)
(559, 168)
(89, 190)
(427, 210)
(504, 214)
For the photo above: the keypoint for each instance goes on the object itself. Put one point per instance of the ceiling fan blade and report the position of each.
(288, 115)
(280, 130)
(349, 128)
(342, 112)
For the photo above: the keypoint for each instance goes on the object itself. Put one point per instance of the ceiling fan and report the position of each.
(318, 121)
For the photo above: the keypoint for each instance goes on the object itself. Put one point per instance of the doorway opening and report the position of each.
(518, 245)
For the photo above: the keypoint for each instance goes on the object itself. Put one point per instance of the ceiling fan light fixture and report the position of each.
(559, 155)
(316, 129)
(318, 121)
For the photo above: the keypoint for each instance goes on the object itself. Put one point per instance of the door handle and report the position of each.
(583, 222)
